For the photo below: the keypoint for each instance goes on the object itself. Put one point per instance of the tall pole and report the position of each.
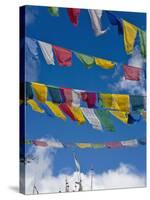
(92, 177)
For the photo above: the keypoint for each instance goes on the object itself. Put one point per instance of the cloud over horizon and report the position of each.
(40, 173)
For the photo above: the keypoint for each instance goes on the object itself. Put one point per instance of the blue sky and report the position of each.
(59, 31)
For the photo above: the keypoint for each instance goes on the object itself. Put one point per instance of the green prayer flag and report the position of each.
(137, 103)
(88, 61)
(142, 36)
(98, 145)
(29, 92)
(54, 11)
(104, 117)
(28, 141)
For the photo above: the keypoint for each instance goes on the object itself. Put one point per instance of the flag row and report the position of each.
(64, 102)
(125, 28)
(112, 144)
(64, 58)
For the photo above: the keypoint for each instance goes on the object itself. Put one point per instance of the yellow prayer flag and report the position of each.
(122, 116)
(106, 64)
(83, 145)
(130, 32)
(78, 114)
(121, 102)
(34, 106)
(55, 109)
(40, 91)
(144, 114)
(118, 102)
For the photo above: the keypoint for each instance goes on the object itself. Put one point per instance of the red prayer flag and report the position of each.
(65, 108)
(132, 73)
(74, 15)
(67, 95)
(39, 143)
(113, 144)
(90, 98)
(63, 56)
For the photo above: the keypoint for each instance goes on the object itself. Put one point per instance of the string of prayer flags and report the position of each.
(73, 14)
(105, 64)
(89, 98)
(115, 21)
(105, 120)
(130, 33)
(92, 118)
(84, 145)
(34, 106)
(55, 94)
(54, 11)
(47, 51)
(87, 61)
(40, 92)
(137, 103)
(142, 36)
(56, 110)
(132, 73)
(95, 16)
(65, 108)
(63, 56)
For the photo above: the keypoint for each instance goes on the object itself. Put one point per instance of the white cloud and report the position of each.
(133, 87)
(40, 172)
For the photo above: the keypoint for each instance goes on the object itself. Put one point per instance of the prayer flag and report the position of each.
(92, 118)
(132, 73)
(47, 52)
(63, 56)
(137, 103)
(34, 106)
(115, 21)
(65, 108)
(78, 114)
(130, 32)
(29, 92)
(67, 95)
(105, 64)
(39, 143)
(40, 91)
(130, 143)
(56, 110)
(55, 94)
(95, 16)
(142, 36)
(89, 98)
(120, 102)
(73, 14)
(54, 11)
(76, 97)
(88, 61)
(113, 144)
(83, 145)
(104, 117)
(122, 116)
